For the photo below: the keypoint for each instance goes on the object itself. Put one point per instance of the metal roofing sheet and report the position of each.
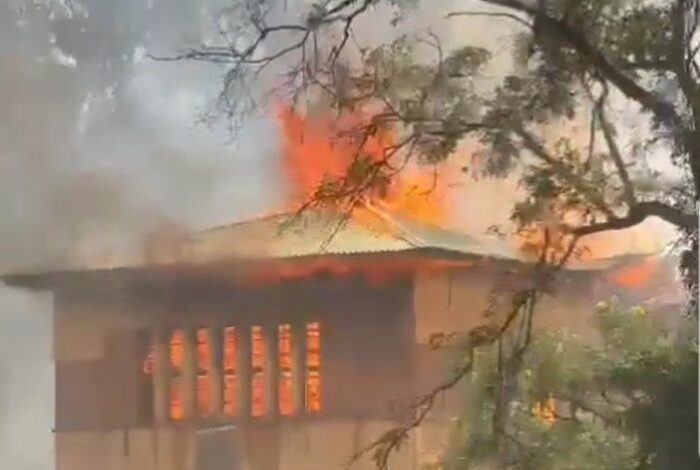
(326, 232)
(317, 232)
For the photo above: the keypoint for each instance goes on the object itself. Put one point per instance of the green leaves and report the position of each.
(465, 61)
(614, 399)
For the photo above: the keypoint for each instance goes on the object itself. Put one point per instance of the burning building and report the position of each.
(270, 344)
(285, 342)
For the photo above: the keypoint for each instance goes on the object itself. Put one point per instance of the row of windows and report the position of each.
(205, 358)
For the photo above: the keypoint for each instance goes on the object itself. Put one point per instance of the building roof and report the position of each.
(319, 232)
(315, 233)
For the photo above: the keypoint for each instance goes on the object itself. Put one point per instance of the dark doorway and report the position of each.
(216, 449)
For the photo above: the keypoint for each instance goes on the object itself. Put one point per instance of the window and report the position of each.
(313, 368)
(204, 361)
(176, 357)
(308, 381)
(229, 369)
(286, 383)
(258, 377)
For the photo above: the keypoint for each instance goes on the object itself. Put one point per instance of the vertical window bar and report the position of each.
(229, 366)
(313, 367)
(258, 405)
(204, 357)
(286, 384)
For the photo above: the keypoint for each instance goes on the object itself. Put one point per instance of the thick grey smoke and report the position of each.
(98, 146)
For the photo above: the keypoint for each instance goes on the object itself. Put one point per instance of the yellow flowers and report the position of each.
(638, 311)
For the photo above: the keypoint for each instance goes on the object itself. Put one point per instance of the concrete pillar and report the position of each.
(298, 366)
(271, 371)
(243, 371)
(161, 373)
(189, 373)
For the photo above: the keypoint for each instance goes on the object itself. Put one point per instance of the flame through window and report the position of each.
(204, 361)
(229, 379)
(258, 377)
(307, 374)
(286, 383)
(313, 367)
(176, 359)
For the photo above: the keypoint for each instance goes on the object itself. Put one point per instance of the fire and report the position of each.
(642, 239)
(638, 275)
(320, 149)
(377, 272)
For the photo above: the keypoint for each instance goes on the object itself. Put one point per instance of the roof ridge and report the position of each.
(403, 233)
(258, 218)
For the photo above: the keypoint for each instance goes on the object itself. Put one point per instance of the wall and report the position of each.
(26, 381)
(139, 449)
(459, 300)
(320, 445)
(97, 352)
(367, 342)
(376, 357)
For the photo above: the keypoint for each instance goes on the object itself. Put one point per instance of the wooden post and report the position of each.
(299, 367)
(271, 371)
(243, 374)
(161, 373)
(215, 369)
(189, 373)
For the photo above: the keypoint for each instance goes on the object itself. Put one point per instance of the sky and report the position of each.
(100, 145)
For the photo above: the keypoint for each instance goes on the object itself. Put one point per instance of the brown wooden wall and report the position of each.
(106, 392)
(367, 342)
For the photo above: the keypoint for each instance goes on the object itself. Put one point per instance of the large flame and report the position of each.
(320, 148)
(639, 275)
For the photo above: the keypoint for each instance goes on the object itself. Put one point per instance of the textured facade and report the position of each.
(194, 362)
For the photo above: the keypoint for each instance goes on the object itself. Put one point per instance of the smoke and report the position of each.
(26, 381)
(98, 147)
(98, 144)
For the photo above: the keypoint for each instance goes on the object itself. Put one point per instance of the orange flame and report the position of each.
(320, 148)
(638, 275)
(377, 272)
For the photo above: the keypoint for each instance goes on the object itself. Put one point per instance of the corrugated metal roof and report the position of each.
(290, 235)
(316, 232)
(319, 232)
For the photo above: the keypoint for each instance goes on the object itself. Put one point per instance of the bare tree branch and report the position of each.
(481, 336)
(615, 154)
(637, 214)
(663, 110)
(510, 16)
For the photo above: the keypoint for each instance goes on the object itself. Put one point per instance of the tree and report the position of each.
(573, 61)
(609, 404)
